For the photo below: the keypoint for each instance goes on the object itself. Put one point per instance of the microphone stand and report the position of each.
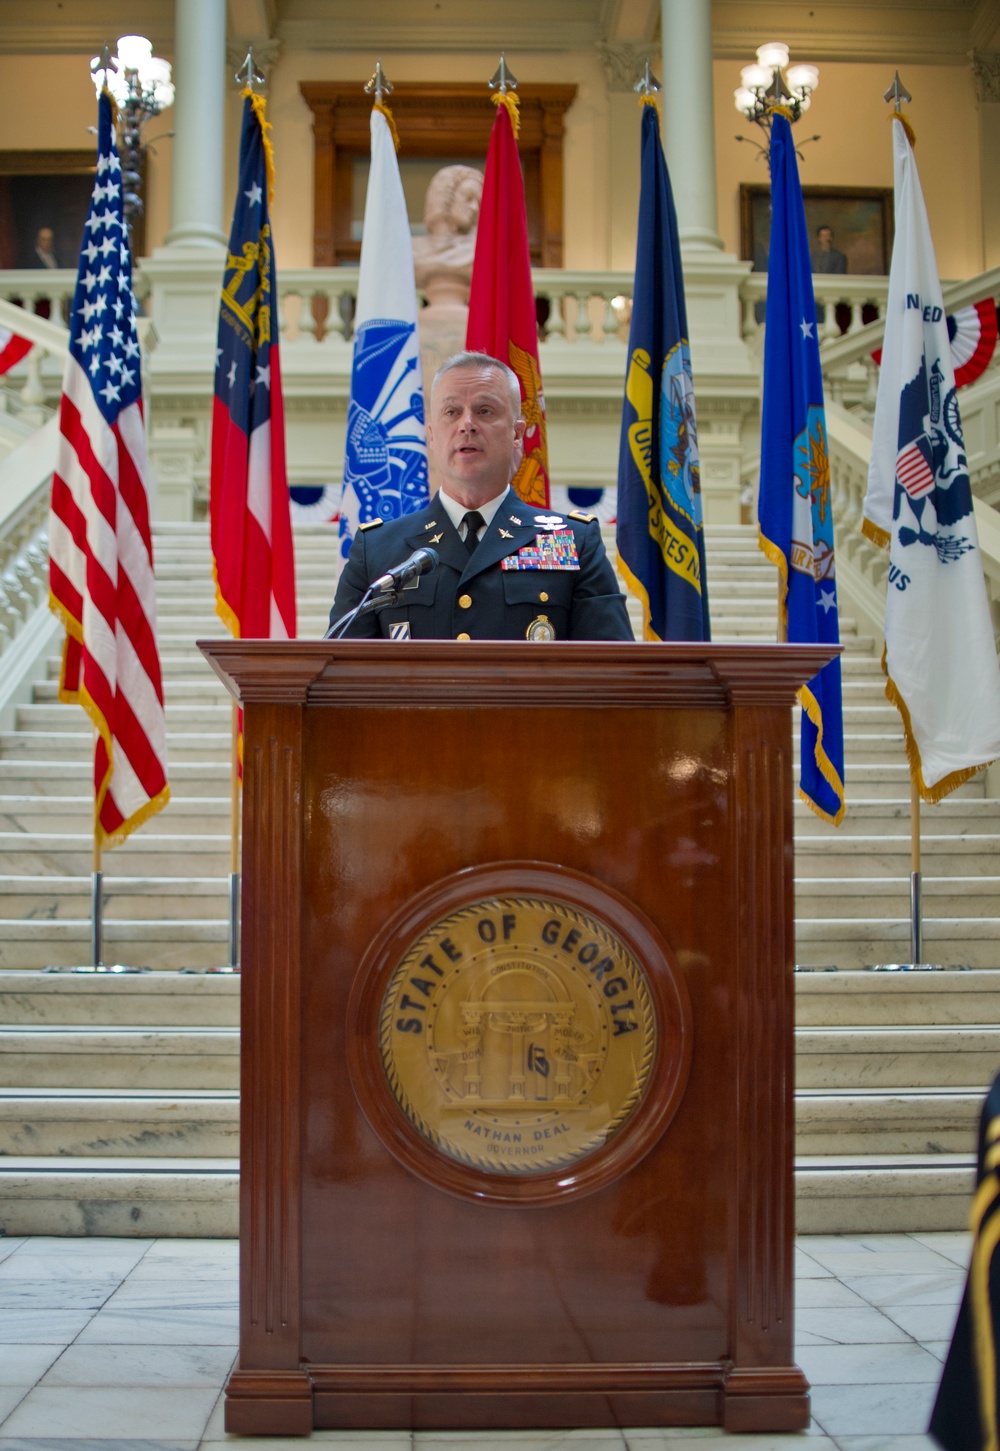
(367, 605)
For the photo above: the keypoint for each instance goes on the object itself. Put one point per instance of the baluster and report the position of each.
(584, 322)
(612, 323)
(19, 600)
(572, 315)
(33, 392)
(10, 620)
(307, 323)
(556, 326)
(283, 296)
(856, 322)
(347, 304)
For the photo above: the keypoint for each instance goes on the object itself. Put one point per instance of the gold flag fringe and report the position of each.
(383, 110)
(947, 784)
(911, 135)
(509, 99)
(260, 111)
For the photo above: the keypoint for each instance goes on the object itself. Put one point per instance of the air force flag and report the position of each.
(796, 521)
(940, 659)
(385, 458)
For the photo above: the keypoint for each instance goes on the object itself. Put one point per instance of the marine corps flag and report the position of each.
(661, 544)
(796, 523)
(501, 301)
(251, 522)
(939, 660)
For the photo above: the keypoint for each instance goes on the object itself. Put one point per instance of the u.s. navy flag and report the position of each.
(248, 500)
(939, 660)
(100, 550)
(796, 523)
(661, 543)
(385, 455)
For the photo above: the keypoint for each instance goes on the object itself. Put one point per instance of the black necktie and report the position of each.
(473, 521)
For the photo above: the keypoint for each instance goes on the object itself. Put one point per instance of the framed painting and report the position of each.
(44, 196)
(850, 228)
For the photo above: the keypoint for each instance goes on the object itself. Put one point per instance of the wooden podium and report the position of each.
(517, 1028)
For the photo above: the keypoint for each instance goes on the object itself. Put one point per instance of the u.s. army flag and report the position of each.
(385, 456)
(940, 659)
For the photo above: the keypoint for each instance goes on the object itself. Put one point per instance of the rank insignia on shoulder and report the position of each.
(541, 628)
(583, 518)
(372, 524)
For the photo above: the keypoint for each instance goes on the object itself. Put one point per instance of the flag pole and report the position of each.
(96, 894)
(916, 925)
(234, 845)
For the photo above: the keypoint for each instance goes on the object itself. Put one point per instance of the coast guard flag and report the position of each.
(661, 543)
(251, 527)
(385, 456)
(100, 551)
(502, 319)
(940, 661)
(796, 524)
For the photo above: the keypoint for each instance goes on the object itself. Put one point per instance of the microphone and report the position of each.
(421, 561)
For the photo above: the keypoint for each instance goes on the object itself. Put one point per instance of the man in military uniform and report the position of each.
(508, 571)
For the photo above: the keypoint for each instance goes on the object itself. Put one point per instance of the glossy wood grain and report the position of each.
(663, 773)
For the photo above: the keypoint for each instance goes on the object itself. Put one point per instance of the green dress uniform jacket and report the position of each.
(471, 597)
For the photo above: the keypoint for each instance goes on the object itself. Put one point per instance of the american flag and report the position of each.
(100, 549)
(249, 504)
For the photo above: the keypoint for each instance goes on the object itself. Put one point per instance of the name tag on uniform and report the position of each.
(555, 550)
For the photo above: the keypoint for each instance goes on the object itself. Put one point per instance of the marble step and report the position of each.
(119, 1198)
(950, 942)
(160, 899)
(193, 815)
(76, 744)
(880, 897)
(897, 1057)
(48, 1056)
(60, 777)
(962, 815)
(183, 1197)
(845, 999)
(904, 1121)
(146, 853)
(146, 1123)
(156, 944)
(149, 999)
(830, 854)
(883, 1193)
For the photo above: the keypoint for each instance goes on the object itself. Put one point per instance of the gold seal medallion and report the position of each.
(518, 1034)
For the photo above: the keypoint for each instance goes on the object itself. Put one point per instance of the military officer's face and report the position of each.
(472, 434)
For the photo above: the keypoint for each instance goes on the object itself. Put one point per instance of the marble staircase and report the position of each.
(118, 1093)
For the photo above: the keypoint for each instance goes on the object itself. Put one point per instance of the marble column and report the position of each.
(689, 121)
(199, 124)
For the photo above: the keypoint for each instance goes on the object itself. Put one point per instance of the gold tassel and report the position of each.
(509, 99)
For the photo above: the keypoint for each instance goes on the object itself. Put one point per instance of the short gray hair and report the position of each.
(482, 360)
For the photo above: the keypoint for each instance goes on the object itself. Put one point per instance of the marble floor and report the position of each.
(125, 1344)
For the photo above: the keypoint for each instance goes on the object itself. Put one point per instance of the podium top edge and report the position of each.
(466, 674)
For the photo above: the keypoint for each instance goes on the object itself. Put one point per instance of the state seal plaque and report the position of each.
(518, 1033)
